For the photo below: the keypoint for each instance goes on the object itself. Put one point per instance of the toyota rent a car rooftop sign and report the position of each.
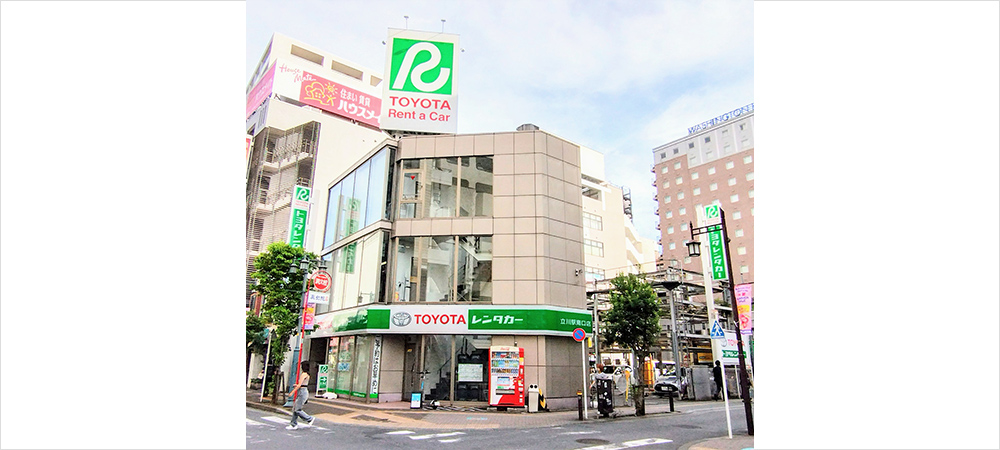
(419, 94)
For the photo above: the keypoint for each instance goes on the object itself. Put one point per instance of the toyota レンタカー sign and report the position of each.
(420, 93)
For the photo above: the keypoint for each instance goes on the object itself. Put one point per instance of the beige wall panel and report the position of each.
(503, 245)
(540, 139)
(444, 146)
(503, 268)
(503, 143)
(440, 226)
(503, 293)
(425, 147)
(524, 163)
(420, 227)
(461, 226)
(482, 226)
(483, 144)
(524, 206)
(523, 184)
(524, 225)
(503, 207)
(502, 226)
(524, 245)
(525, 291)
(464, 145)
(503, 185)
(524, 269)
(524, 143)
(503, 165)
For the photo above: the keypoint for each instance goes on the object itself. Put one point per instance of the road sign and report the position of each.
(717, 332)
(579, 334)
(322, 280)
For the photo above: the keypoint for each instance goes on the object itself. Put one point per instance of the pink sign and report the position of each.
(744, 297)
(260, 91)
(308, 317)
(340, 100)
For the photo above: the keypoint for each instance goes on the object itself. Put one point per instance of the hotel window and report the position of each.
(737, 215)
(694, 175)
(711, 170)
(680, 195)
(696, 191)
(708, 139)
(679, 180)
(593, 248)
(747, 159)
(749, 176)
(744, 269)
(677, 165)
(666, 184)
(729, 165)
(741, 250)
(725, 131)
(690, 144)
(675, 151)
(669, 214)
(684, 227)
(664, 169)
(593, 221)
(670, 229)
(750, 194)
(692, 159)
(713, 186)
(739, 233)
(672, 246)
(682, 211)
(666, 199)
(751, 211)
(663, 155)
(734, 198)
(741, 127)
(732, 181)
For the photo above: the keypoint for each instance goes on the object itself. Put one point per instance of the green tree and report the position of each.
(282, 292)
(634, 323)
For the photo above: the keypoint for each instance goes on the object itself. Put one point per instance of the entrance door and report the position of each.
(411, 366)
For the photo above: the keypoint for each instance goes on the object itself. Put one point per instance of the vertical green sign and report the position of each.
(298, 216)
(715, 244)
(322, 378)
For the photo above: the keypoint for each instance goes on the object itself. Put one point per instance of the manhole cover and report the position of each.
(592, 441)
(689, 427)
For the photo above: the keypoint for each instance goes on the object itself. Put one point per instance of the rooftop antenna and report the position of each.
(407, 19)
(442, 25)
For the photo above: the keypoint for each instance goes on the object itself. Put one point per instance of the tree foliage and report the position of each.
(633, 322)
(282, 292)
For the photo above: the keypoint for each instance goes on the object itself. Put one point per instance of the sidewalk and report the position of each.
(399, 414)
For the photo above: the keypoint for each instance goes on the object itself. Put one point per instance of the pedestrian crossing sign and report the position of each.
(717, 330)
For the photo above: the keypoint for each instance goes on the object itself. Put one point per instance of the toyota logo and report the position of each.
(401, 319)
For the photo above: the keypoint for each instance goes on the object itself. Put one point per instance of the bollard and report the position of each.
(579, 403)
(670, 395)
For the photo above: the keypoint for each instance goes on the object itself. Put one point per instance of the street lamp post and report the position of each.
(303, 266)
(694, 249)
(673, 327)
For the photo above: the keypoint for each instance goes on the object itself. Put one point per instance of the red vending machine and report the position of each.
(506, 376)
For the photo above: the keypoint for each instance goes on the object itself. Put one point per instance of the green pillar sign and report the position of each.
(717, 252)
(322, 379)
(298, 216)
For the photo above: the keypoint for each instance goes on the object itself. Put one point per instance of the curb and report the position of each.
(270, 408)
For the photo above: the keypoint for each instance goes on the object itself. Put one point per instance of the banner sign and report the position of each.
(730, 349)
(297, 219)
(420, 94)
(717, 252)
(339, 99)
(260, 91)
(376, 362)
(318, 297)
(744, 297)
(727, 116)
(455, 319)
(322, 378)
(308, 316)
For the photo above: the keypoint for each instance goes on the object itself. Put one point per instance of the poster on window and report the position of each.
(472, 373)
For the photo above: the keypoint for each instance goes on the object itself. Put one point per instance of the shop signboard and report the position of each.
(729, 346)
(260, 91)
(717, 252)
(420, 93)
(308, 317)
(298, 217)
(339, 99)
(744, 297)
(322, 378)
(376, 362)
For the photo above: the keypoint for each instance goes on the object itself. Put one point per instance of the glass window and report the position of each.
(739, 233)
(708, 139)
(472, 367)
(729, 165)
(749, 176)
(406, 270)
(349, 273)
(377, 188)
(594, 274)
(750, 193)
(592, 247)
(747, 159)
(477, 186)
(370, 268)
(711, 170)
(363, 353)
(744, 268)
(694, 175)
(741, 250)
(475, 268)
(666, 199)
(677, 165)
(441, 194)
(680, 195)
(669, 214)
(331, 355)
(675, 151)
(684, 227)
(751, 211)
(682, 211)
(437, 268)
(361, 193)
(713, 186)
(690, 144)
(692, 159)
(345, 365)
(437, 367)
(332, 209)
(348, 208)
(663, 155)
(737, 215)
(745, 143)
(696, 191)
(734, 198)
(726, 149)
(666, 184)
(732, 181)
(593, 221)
(672, 246)
(670, 230)
(664, 169)
(679, 180)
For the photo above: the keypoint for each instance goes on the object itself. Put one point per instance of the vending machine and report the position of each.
(506, 376)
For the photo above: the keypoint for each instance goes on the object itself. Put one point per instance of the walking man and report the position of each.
(301, 398)
(717, 374)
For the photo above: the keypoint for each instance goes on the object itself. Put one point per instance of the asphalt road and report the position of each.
(266, 430)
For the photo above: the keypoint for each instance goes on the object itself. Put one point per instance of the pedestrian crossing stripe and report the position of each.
(629, 444)
(437, 435)
(400, 432)
(286, 421)
(254, 422)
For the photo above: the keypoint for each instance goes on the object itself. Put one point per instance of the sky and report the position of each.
(618, 77)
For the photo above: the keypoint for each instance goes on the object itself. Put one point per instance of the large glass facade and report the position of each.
(437, 367)
(359, 199)
(358, 272)
(475, 268)
(437, 268)
(345, 365)
(362, 360)
(443, 269)
(446, 187)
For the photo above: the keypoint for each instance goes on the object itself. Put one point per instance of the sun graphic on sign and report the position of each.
(330, 92)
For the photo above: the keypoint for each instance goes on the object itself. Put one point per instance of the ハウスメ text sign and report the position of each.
(419, 94)
(339, 99)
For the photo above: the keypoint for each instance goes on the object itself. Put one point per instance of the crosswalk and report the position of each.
(419, 437)
(283, 421)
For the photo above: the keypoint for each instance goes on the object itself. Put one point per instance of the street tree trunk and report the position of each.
(639, 393)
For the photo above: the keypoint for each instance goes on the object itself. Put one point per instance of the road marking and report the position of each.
(629, 444)
(302, 423)
(428, 436)
(448, 441)
(401, 432)
(580, 432)
(254, 422)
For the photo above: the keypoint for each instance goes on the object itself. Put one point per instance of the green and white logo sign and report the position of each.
(715, 243)
(420, 92)
(422, 66)
(299, 216)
